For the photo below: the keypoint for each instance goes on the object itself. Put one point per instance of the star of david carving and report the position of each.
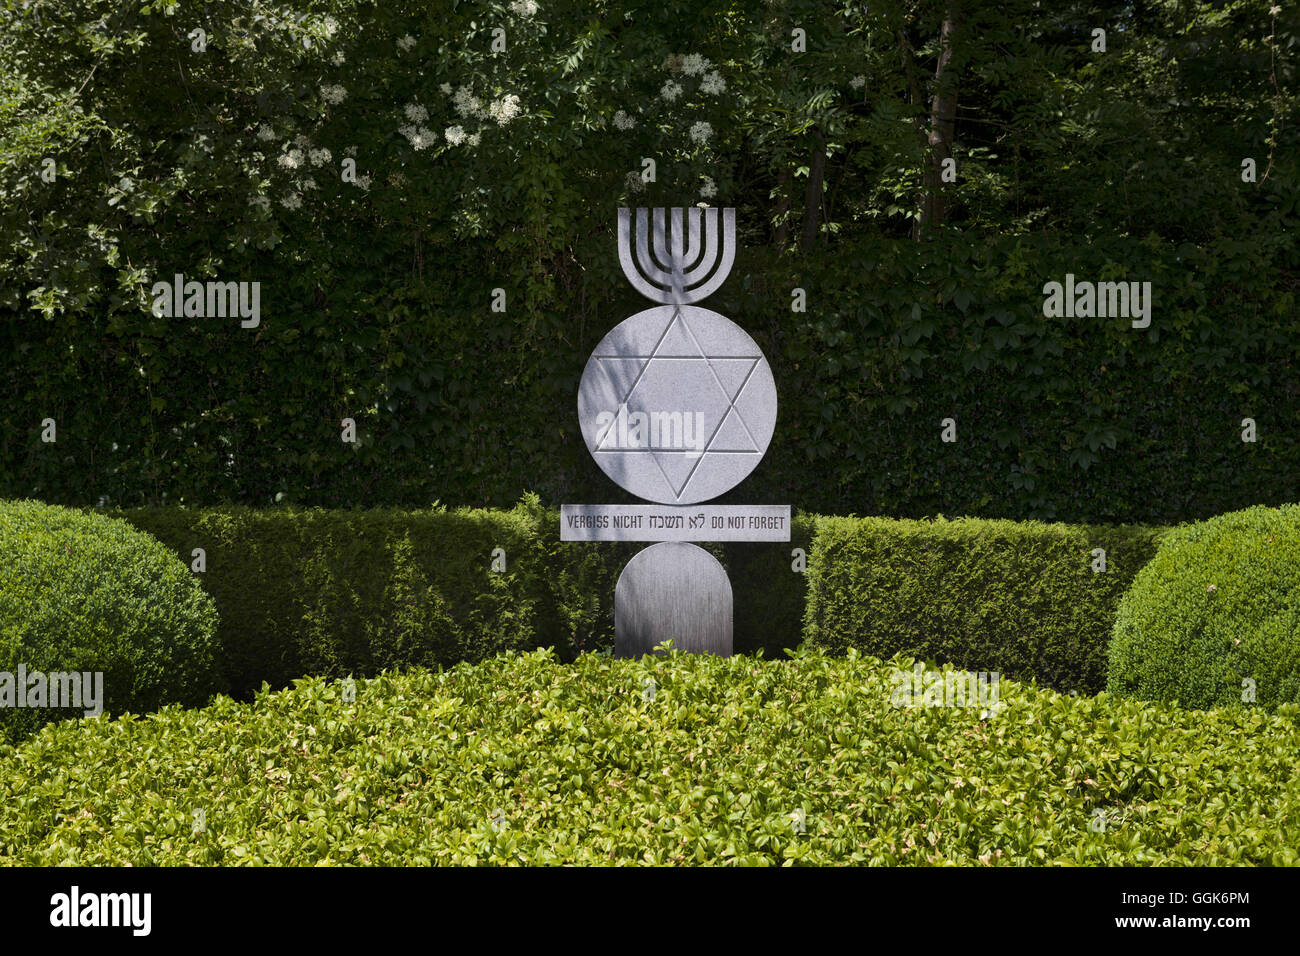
(679, 371)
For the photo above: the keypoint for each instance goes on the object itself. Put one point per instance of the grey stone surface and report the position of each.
(674, 523)
(677, 591)
(677, 404)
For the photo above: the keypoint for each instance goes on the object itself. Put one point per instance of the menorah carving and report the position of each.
(677, 405)
(667, 264)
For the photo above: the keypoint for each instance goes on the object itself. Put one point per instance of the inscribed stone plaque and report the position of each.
(674, 523)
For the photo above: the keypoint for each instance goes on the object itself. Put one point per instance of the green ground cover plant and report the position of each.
(677, 759)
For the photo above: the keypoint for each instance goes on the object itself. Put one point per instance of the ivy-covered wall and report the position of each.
(381, 169)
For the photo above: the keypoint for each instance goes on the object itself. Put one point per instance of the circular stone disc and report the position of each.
(677, 404)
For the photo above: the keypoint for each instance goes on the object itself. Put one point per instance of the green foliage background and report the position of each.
(376, 300)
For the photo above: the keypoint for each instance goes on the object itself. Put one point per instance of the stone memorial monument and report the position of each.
(677, 405)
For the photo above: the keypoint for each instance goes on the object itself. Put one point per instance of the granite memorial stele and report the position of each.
(677, 405)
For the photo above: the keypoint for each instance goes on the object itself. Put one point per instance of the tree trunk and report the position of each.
(943, 114)
(813, 199)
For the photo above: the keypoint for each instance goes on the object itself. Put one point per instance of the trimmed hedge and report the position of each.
(1218, 606)
(1019, 598)
(333, 593)
(352, 592)
(524, 760)
(84, 593)
(768, 594)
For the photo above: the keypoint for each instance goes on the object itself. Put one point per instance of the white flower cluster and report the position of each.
(858, 82)
(701, 131)
(418, 136)
(291, 201)
(623, 122)
(634, 182)
(265, 133)
(319, 157)
(466, 103)
(338, 59)
(457, 135)
(469, 106)
(709, 189)
(291, 160)
(405, 43)
(416, 113)
(693, 64)
(505, 109)
(363, 182)
(523, 8)
(333, 94)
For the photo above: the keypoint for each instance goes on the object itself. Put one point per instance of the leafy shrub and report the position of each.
(82, 592)
(520, 759)
(353, 592)
(1017, 598)
(1219, 605)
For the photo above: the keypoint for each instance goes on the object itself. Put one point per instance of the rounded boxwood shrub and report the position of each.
(80, 592)
(1214, 618)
